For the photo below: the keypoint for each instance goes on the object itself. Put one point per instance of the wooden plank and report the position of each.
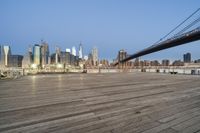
(136, 102)
(192, 129)
(168, 130)
(182, 126)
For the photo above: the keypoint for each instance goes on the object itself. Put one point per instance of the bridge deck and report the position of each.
(97, 103)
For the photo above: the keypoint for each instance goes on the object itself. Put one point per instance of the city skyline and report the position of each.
(75, 50)
(108, 25)
(39, 55)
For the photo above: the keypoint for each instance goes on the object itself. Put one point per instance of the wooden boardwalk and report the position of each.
(101, 103)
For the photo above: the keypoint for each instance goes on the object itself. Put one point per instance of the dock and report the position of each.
(101, 103)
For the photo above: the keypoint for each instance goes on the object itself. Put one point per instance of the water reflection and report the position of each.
(81, 81)
(33, 90)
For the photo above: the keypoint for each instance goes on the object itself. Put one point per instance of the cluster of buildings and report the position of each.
(39, 57)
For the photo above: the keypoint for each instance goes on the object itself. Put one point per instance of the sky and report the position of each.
(109, 25)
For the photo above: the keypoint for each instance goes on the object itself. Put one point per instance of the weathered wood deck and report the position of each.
(97, 103)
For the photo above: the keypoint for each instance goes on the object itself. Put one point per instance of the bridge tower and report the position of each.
(122, 54)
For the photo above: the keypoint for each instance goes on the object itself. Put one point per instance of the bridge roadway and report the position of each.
(97, 103)
(191, 36)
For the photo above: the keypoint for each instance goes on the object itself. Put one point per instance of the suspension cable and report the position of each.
(178, 26)
(188, 26)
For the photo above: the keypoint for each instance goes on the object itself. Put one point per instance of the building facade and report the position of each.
(44, 54)
(28, 59)
(165, 62)
(80, 52)
(178, 63)
(68, 58)
(187, 58)
(4, 55)
(37, 55)
(57, 55)
(15, 61)
(74, 50)
(95, 58)
(154, 63)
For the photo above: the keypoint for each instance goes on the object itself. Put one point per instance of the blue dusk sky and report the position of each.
(110, 25)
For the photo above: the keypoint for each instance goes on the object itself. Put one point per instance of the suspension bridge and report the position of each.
(185, 35)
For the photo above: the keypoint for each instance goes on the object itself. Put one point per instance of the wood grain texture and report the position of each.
(98, 103)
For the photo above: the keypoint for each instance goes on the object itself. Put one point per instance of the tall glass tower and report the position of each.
(36, 54)
(44, 53)
(5, 53)
(74, 50)
(80, 52)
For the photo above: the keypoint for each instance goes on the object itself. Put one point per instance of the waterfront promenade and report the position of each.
(97, 103)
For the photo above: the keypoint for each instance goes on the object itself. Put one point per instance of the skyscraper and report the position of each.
(37, 54)
(68, 56)
(68, 50)
(57, 58)
(63, 57)
(187, 58)
(5, 53)
(74, 50)
(95, 58)
(44, 53)
(28, 58)
(80, 52)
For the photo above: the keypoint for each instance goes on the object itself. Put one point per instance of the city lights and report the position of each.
(34, 66)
